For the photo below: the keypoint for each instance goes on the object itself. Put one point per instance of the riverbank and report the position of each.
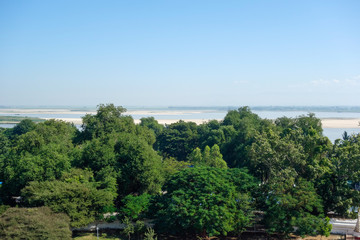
(326, 123)
(169, 116)
(340, 123)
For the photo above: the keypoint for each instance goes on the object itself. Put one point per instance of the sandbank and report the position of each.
(76, 121)
(81, 112)
(340, 123)
(166, 112)
(170, 121)
(326, 123)
(72, 115)
(43, 111)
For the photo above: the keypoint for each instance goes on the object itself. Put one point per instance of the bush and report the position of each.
(34, 224)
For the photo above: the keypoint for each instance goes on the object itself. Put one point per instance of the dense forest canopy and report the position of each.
(203, 180)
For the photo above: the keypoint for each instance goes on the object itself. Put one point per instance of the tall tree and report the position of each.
(294, 204)
(152, 123)
(140, 165)
(269, 154)
(246, 125)
(216, 158)
(178, 140)
(24, 126)
(38, 155)
(210, 157)
(205, 202)
(339, 187)
(109, 119)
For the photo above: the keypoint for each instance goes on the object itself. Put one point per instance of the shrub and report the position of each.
(34, 224)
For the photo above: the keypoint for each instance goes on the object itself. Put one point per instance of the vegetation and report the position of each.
(135, 206)
(17, 119)
(191, 180)
(206, 202)
(80, 200)
(33, 224)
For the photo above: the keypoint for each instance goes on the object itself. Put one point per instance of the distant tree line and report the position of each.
(194, 180)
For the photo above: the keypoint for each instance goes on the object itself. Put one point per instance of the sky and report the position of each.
(180, 53)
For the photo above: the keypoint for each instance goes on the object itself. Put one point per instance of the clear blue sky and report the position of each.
(179, 52)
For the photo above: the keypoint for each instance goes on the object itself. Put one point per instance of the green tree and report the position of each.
(38, 155)
(34, 224)
(140, 165)
(242, 126)
(98, 153)
(203, 201)
(171, 166)
(4, 144)
(306, 132)
(309, 123)
(337, 187)
(269, 154)
(178, 140)
(135, 206)
(76, 195)
(109, 120)
(23, 127)
(216, 158)
(212, 132)
(209, 157)
(295, 203)
(152, 124)
(129, 227)
(105, 121)
(196, 157)
(206, 157)
(150, 234)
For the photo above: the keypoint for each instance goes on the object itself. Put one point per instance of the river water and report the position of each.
(168, 114)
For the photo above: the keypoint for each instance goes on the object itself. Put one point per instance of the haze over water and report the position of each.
(174, 114)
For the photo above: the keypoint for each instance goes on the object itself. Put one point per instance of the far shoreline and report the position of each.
(163, 116)
(326, 123)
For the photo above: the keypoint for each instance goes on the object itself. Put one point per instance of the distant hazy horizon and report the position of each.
(196, 113)
(180, 106)
(202, 107)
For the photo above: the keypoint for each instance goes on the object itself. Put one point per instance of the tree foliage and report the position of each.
(178, 140)
(203, 201)
(38, 155)
(34, 224)
(113, 162)
(76, 195)
(294, 204)
(337, 187)
(152, 124)
(209, 157)
(135, 206)
(140, 165)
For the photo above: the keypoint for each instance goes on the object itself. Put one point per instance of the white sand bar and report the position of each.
(43, 111)
(340, 123)
(73, 116)
(326, 123)
(76, 121)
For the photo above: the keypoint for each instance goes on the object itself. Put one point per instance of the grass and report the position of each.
(17, 119)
